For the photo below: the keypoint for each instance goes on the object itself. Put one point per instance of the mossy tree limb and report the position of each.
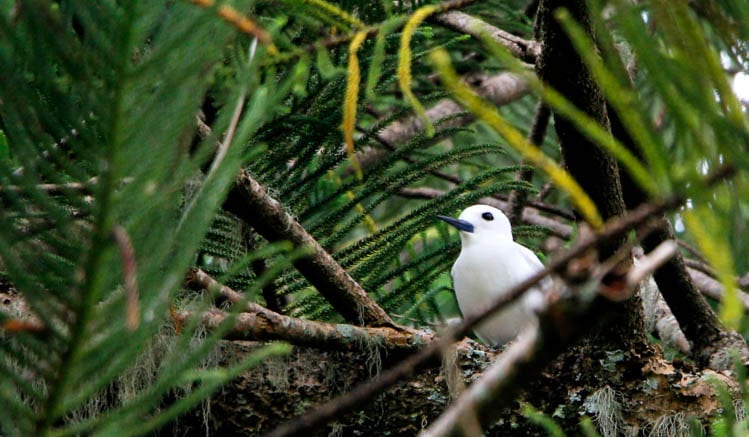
(257, 323)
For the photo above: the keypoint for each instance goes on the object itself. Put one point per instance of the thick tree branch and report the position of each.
(267, 325)
(258, 323)
(561, 68)
(593, 168)
(249, 201)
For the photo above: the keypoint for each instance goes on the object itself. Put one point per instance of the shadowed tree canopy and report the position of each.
(220, 216)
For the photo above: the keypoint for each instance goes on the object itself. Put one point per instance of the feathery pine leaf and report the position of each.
(102, 95)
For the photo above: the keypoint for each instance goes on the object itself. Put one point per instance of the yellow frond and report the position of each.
(351, 98)
(404, 64)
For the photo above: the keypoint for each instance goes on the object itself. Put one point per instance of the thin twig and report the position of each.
(240, 22)
(650, 263)
(130, 276)
(545, 190)
(223, 148)
(519, 198)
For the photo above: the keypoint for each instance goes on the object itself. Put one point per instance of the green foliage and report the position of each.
(547, 423)
(99, 99)
(106, 91)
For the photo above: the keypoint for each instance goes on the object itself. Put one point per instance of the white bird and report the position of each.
(489, 265)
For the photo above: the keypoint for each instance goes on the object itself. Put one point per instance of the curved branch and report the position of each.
(527, 50)
(500, 89)
(249, 201)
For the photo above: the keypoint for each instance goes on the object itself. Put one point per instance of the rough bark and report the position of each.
(249, 201)
(596, 171)
(265, 325)
(561, 68)
(258, 323)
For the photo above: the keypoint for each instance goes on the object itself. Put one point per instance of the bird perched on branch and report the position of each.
(489, 265)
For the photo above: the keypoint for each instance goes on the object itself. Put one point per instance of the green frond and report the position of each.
(336, 15)
(98, 107)
(119, 85)
(700, 222)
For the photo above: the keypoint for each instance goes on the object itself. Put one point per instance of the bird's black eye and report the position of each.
(487, 216)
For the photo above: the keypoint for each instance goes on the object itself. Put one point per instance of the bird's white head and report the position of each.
(478, 222)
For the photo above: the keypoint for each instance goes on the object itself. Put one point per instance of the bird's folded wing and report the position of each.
(532, 259)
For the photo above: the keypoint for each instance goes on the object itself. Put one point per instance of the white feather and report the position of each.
(490, 264)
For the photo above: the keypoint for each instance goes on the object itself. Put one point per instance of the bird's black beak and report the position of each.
(458, 223)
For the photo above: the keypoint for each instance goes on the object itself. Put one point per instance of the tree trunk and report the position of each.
(596, 171)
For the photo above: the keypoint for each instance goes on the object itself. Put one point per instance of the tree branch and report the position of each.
(597, 172)
(267, 325)
(713, 289)
(500, 89)
(256, 322)
(249, 201)
(461, 22)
